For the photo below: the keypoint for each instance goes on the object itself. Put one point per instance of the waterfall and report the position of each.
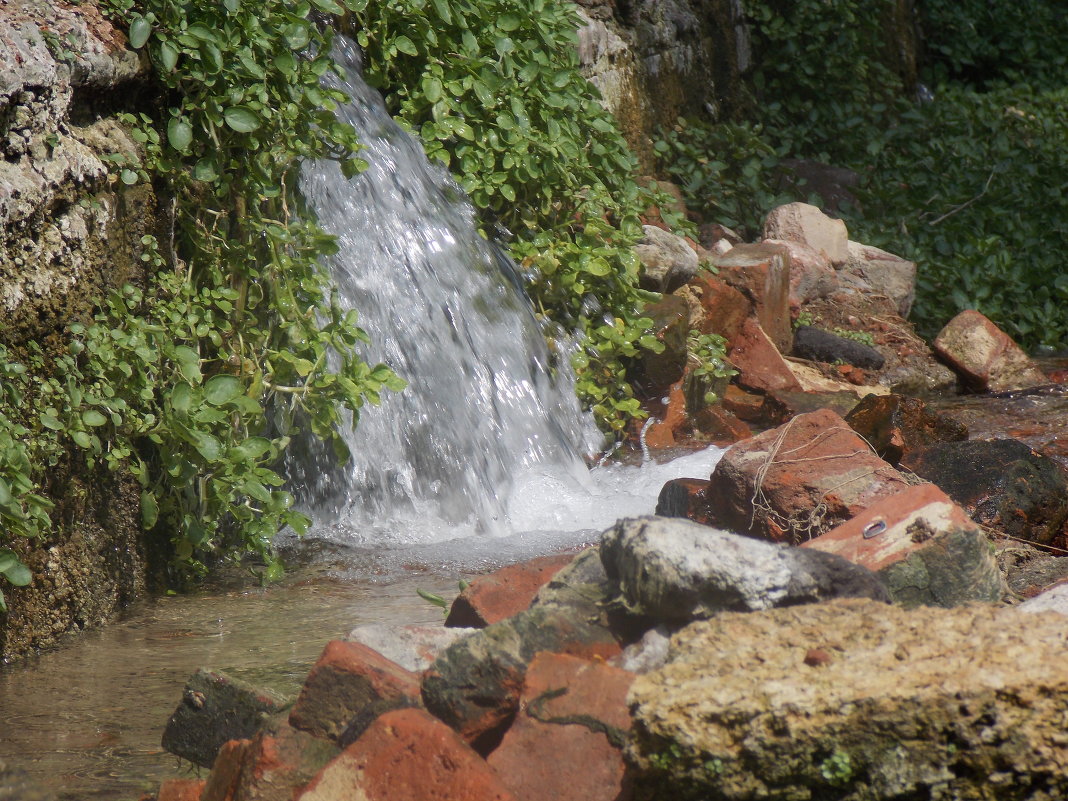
(442, 307)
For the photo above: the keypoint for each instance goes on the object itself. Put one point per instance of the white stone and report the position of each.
(804, 223)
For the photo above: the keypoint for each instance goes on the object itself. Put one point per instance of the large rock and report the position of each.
(986, 357)
(503, 593)
(896, 425)
(806, 224)
(671, 326)
(1001, 483)
(811, 274)
(406, 755)
(924, 547)
(884, 274)
(567, 739)
(762, 273)
(667, 260)
(797, 481)
(216, 708)
(675, 571)
(860, 701)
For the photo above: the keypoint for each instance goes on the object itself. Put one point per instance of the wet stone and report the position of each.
(895, 425)
(823, 346)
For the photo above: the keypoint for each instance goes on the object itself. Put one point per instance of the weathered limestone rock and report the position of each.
(923, 546)
(806, 224)
(861, 701)
(797, 481)
(674, 571)
(349, 686)
(216, 708)
(883, 273)
(762, 273)
(567, 739)
(406, 755)
(667, 261)
(895, 425)
(985, 355)
(818, 345)
(413, 647)
(1001, 483)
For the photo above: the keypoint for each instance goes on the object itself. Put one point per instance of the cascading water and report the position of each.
(480, 406)
(484, 439)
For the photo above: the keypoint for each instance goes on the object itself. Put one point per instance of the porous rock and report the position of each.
(799, 480)
(216, 708)
(860, 701)
(715, 306)
(667, 260)
(986, 356)
(675, 571)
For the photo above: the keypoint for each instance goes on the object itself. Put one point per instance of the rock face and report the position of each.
(985, 355)
(795, 482)
(676, 571)
(861, 701)
(895, 425)
(654, 60)
(762, 273)
(68, 234)
(884, 274)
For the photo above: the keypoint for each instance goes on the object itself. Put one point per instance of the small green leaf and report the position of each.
(221, 389)
(432, 89)
(205, 170)
(49, 420)
(168, 56)
(18, 574)
(8, 559)
(182, 397)
(149, 510)
(188, 362)
(242, 119)
(140, 30)
(207, 445)
(509, 22)
(437, 600)
(128, 177)
(406, 45)
(179, 133)
(5, 493)
(91, 417)
(329, 6)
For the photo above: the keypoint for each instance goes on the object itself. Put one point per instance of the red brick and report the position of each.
(566, 741)
(504, 592)
(181, 790)
(715, 306)
(350, 679)
(759, 363)
(226, 773)
(985, 355)
(407, 755)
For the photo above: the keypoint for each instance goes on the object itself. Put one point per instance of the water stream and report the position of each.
(477, 464)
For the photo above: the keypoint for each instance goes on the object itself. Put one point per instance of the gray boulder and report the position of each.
(674, 570)
(668, 261)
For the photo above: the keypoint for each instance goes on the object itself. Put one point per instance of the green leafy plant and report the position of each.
(709, 351)
(837, 769)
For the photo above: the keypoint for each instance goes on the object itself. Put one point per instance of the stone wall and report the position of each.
(69, 232)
